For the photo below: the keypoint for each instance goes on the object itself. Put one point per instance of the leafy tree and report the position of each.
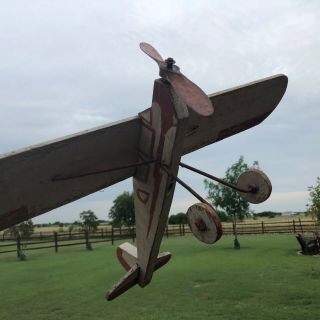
(26, 229)
(89, 220)
(23, 229)
(14, 231)
(313, 208)
(122, 211)
(223, 216)
(179, 218)
(227, 200)
(71, 227)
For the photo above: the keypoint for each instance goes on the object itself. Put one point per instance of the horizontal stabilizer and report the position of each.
(127, 255)
(128, 281)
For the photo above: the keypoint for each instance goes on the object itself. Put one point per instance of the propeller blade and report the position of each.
(151, 52)
(191, 94)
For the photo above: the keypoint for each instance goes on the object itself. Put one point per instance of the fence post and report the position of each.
(55, 235)
(101, 233)
(167, 231)
(41, 235)
(180, 230)
(262, 227)
(133, 234)
(86, 233)
(183, 231)
(112, 235)
(300, 225)
(294, 226)
(18, 239)
(120, 231)
(88, 244)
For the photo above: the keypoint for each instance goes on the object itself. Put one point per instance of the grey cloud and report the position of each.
(68, 66)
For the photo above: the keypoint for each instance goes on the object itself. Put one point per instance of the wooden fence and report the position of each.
(55, 240)
(263, 227)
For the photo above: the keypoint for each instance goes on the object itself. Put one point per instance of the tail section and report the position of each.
(128, 281)
(127, 255)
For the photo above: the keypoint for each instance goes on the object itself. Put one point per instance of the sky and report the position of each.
(66, 66)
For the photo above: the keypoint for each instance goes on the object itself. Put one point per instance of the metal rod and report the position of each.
(194, 193)
(136, 164)
(252, 189)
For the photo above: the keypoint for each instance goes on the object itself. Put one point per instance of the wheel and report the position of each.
(204, 223)
(258, 182)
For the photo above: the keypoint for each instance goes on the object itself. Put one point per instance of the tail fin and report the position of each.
(127, 255)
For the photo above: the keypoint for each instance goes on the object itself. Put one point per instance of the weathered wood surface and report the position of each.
(162, 134)
(204, 223)
(26, 186)
(259, 180)
(235, 110)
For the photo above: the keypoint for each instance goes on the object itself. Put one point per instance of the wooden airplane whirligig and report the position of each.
(148, 147)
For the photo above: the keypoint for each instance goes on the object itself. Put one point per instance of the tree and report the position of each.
(223, 216)
(26, 229)
(122, 211)
(179, 218)
(227, 200)
(23, 229)
(13, 231)
(313, 208)
(89, 220)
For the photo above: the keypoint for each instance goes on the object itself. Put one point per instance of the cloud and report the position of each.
(69, 66)
(284, 201)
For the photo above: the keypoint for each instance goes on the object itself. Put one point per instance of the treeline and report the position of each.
(67, 224)
(267, 214)
(181, 218)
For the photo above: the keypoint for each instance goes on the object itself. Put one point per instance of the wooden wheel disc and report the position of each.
(255, 178)
(204, 223)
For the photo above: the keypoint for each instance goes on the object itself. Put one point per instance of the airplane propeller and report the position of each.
(188, 91)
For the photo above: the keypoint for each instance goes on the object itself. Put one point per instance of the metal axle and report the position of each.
(194, 193)
(252, 188)
(136, 164)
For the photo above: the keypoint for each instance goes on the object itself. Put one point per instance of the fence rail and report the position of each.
(55, 240)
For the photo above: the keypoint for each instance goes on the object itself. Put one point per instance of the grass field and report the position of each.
(266, 279)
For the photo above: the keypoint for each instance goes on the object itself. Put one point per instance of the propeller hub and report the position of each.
(189, 92)
(169, 63)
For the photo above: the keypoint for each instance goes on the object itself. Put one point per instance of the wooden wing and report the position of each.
(235, 110)
(26, 186)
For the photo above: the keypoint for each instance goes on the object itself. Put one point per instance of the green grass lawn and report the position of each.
(266, 279)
